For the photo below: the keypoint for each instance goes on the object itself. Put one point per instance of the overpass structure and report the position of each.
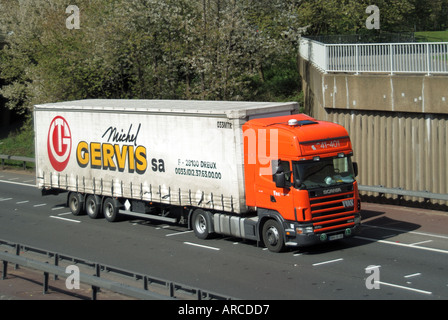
(393, 100)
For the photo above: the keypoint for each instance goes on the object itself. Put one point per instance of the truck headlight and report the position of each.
(305, 230)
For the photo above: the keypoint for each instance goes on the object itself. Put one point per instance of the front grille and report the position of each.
(332, 212)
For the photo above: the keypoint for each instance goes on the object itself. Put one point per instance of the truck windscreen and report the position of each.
(324, 172)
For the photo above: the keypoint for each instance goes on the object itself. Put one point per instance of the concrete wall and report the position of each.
(398, 125)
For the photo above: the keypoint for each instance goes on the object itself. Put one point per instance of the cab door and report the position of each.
(274, 191)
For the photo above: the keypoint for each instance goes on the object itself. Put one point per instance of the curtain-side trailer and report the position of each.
(254, 170)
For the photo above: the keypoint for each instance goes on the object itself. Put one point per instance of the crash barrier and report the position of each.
(24, 160)
(169, 290)
(404, 193)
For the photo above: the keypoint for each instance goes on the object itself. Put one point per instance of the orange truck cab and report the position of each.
(300, 178)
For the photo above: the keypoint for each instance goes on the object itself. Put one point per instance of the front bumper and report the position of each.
(295, 239)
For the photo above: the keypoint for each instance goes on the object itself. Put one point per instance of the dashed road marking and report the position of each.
(65, 219)
(420, 242)
(406, 231)
(177, 233)
(326, 262)
(201, 246)
(403, 244)
(413, 275)
(58, 208)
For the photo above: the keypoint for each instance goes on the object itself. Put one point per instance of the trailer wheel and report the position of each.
(93, 206)
(201, 223)
(75, 203)
(110, 209)
(273, 236)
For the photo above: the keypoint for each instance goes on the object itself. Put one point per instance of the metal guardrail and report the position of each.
(413, 57)
(4, 157)
(402, 192)
(96, 281)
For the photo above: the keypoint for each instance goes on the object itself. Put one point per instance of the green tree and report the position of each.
(178, 49)
(349, 16)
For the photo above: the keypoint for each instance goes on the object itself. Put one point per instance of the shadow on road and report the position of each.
(375, 226)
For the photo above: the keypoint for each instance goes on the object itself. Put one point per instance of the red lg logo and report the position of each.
(59, 144)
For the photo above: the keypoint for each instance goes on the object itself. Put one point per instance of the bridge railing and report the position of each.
(412, 57)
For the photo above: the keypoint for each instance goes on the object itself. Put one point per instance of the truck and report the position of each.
(259, 171)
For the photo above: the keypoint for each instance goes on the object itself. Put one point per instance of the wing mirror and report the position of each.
(280, 180)
(355, 168)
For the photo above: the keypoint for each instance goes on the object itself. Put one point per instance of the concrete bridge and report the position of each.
(393, 99)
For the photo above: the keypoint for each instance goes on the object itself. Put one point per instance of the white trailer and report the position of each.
(132, 156)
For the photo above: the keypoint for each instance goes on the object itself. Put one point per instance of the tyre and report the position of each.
(273, 237)
(110, 209)
(201, 223)
(93, 206)
(76, 203)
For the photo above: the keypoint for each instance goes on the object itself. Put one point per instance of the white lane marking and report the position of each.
(413, 275)
(416, 243)
(19, 183)
(22, 202)
(5, 199)
(202, 246)
(372, 267)
(39, 205)
(402, 287)
(177, 233)
(402, 244)
(58, 208)
(64, 214)
(325, 262)
(65, 219)
(412, 232)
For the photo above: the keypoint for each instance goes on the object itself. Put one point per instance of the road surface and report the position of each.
(401, 253)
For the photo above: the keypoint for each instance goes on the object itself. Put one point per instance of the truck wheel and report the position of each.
(75, 203)
(201, 224)
(93, 206)
(110, 209)
(273, 236)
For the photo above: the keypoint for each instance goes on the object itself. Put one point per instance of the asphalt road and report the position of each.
(402, 253)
